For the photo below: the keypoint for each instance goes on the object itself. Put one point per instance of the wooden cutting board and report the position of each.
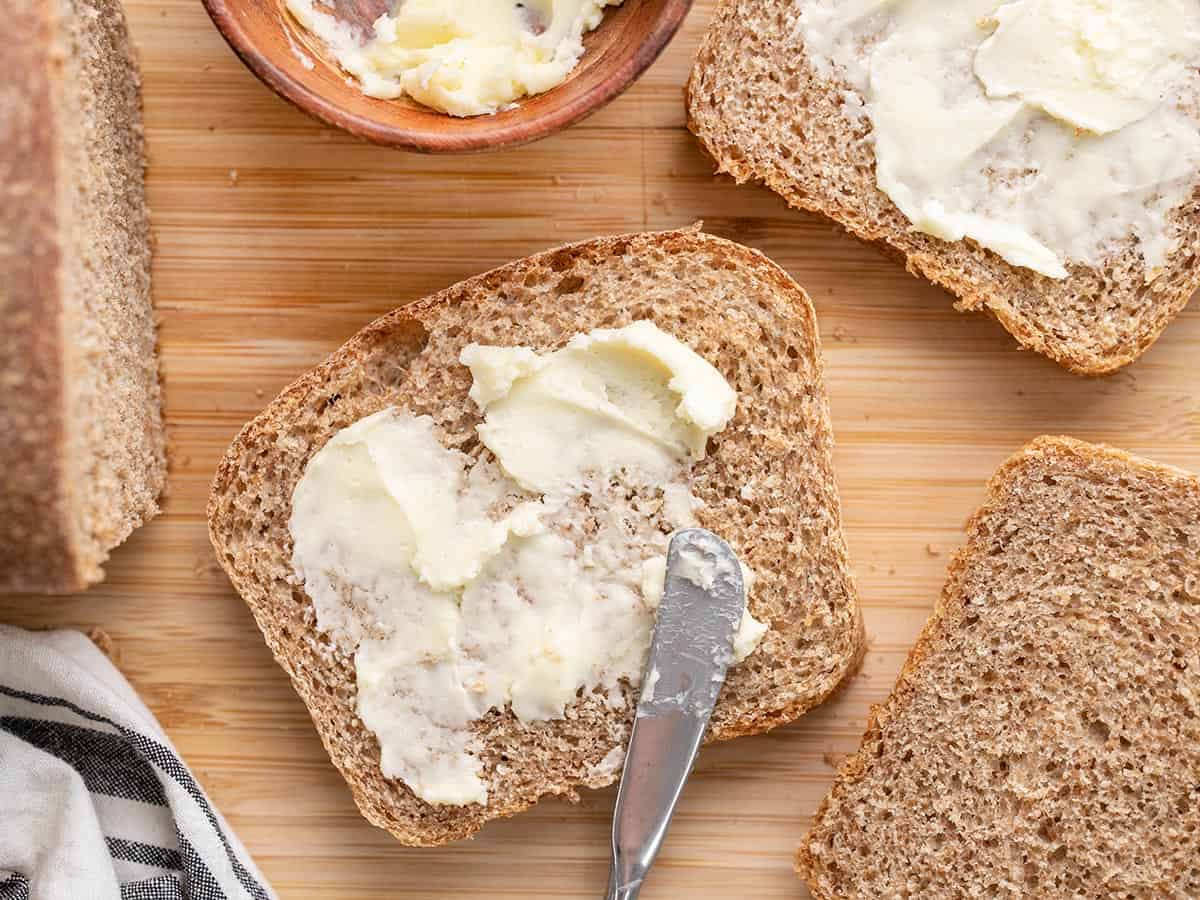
(277, 238)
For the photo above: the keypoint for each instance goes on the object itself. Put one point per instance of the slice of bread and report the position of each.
(83, 456)
(767, 481)
(764, 114)
(1043, 739)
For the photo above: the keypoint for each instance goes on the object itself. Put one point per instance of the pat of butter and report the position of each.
(1048, 131)
(457, 590)
(1098, 65)
(463, 57)
(632, 397)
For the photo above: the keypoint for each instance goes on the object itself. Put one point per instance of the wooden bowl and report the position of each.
(297, 66)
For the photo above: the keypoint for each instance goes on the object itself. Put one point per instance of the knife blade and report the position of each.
(698, 616)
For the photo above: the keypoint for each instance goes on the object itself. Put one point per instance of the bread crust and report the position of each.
(37, 549)
(1066, 452)
(764, 116)
(501, 305)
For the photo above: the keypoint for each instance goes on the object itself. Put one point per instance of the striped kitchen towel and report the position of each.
(94, 802)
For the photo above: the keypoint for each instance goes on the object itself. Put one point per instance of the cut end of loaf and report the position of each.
(1044, 736)
(86, 461)
(737, 310)
(765, 116)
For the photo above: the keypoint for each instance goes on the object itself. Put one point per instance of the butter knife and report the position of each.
(699, 614)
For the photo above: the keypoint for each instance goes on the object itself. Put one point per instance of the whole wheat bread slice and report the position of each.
(82, 459)
(764, 115)
(737, 310)
(1043, 739)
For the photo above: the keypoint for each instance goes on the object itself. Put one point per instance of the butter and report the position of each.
(632, 397)
(1098, 65)
(463, 57)
(1049, 131)
(453, 536)
(458, 588)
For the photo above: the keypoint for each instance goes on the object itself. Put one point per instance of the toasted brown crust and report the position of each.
(408, 358)
(83, 456)
(1064, 456)
(764, 116)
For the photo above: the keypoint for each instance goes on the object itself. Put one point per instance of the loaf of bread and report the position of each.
(83, 457)
(1043, 739)
(764, 113)
(767, 483)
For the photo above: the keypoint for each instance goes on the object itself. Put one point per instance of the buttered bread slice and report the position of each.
(451, 532)
(1038, 158)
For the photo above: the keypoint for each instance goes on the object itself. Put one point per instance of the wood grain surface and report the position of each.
(278, 237)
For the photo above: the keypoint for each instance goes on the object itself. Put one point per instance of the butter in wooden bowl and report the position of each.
(462, 57)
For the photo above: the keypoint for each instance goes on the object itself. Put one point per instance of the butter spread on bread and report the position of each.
(739, 311)
(463, 57)
(1048, 131)
(521, 579)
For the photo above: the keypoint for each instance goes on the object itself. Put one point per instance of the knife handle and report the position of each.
(647, 797)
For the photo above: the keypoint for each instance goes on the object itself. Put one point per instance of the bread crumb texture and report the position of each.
(84, 455)
(737, 310)
(1044, 737)
(762, 112)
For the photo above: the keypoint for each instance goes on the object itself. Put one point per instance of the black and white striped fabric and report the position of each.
(94, 802)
